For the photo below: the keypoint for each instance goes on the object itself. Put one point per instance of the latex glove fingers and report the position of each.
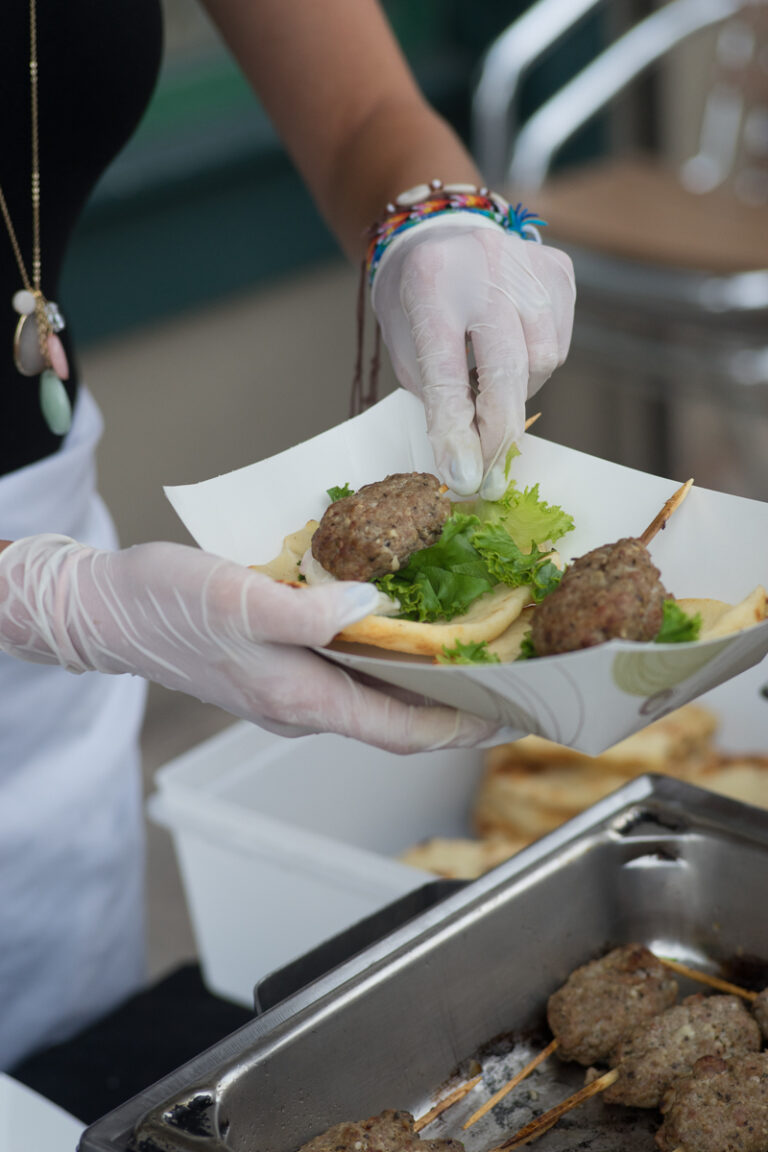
(332, 699)
(514, 298)
(199, 624)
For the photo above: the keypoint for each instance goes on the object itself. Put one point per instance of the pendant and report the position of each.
(29, 358)
(54, 403)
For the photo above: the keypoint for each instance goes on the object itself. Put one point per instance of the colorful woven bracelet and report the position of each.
(435, 199)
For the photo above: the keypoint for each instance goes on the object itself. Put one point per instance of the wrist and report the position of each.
(424, 203)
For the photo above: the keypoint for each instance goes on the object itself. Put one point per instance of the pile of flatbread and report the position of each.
(534, 785)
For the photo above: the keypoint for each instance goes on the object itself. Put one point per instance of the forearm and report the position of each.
(401, 145)
(333, 80)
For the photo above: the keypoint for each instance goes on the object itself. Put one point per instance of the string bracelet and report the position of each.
(412, 207)
(426, 201)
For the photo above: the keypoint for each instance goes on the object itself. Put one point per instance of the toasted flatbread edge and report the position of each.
(488, 617)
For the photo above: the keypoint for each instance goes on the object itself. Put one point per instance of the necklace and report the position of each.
(37, 349)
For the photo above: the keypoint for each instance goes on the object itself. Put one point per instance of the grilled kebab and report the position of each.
(605, 1000)
(664, 1049)
(721, 1107)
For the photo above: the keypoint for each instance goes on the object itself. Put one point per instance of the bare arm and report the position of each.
(339, 92)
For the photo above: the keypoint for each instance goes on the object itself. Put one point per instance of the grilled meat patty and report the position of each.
(611, 593)
(389, 1132)
(605, 1000)
(658, 1053)
(374, 531)
(721, 1107)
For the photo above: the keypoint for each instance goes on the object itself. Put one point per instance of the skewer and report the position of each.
(660, 520)
(513, 1083)
(441, 1106)
(546, 1121)
(705, 978)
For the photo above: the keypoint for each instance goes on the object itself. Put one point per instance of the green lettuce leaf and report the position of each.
(677, 626)
(337, 493)
(527, 650)
(525, 516)
(483, 543)
(470, 653)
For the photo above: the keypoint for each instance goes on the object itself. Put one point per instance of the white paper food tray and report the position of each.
(282, 843)
(716, 546)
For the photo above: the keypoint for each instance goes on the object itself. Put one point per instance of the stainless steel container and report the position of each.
(669, 865)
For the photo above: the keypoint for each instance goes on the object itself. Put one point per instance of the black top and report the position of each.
(98, 62)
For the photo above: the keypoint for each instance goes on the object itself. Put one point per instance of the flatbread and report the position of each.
(720, 619)
(460, 858)
(683, 734)
(534, 785)
(487, 618)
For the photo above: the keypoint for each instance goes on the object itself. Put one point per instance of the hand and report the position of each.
(448, 279)
(202, 625)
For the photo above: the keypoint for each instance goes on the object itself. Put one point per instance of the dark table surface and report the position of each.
(144, 1039)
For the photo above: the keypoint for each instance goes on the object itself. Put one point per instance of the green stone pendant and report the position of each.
(55, 404)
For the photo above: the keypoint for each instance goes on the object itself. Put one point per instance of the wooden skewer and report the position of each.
(544, 1122)
(513, 1083)
(660, 521)
(452, 1098)
(705, 978)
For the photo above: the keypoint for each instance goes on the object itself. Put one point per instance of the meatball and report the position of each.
(374, 531)
(604, 1001)
(611, 593)
(389, 1132)
(657, 1054)
(721, 1107)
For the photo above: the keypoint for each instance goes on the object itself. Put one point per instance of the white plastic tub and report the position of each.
(282, 843)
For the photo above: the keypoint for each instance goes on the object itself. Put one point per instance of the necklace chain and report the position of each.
(33, 285)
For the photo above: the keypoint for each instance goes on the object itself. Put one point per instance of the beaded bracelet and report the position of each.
(426, 201)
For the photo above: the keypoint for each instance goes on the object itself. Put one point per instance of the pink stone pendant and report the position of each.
(58, 356)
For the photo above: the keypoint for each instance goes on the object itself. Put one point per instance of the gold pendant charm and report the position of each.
(33, 350)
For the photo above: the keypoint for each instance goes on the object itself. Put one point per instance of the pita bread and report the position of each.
(742, 778)
(534, 785)
(458, 858)
(487, 618)
(719, 619)
(684, 734)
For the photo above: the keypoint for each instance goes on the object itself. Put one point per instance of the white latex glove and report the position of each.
(460, 276)
(213, 629)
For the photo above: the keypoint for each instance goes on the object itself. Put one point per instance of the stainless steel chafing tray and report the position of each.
(660, 862)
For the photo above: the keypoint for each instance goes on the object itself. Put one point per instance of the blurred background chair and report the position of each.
(668, 226)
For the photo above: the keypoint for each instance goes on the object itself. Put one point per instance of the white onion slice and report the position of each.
(314, 573)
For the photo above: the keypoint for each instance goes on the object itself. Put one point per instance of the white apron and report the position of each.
(71, 832)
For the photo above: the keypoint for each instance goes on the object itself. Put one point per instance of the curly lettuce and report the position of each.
(481, 545)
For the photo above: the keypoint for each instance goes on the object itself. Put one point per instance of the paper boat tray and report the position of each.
(659, 862)
(715, 546)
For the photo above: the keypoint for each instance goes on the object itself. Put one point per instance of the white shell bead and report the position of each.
(413, 195)
(461, 188)
(23, 302)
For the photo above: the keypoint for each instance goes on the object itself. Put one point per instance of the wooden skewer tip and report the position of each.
(513, 1083)
(705, 978)
(544, 1122)
(442, 1105)
(660, 520)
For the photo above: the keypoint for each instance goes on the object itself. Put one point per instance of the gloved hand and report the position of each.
(457, 276)
(216, 630)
